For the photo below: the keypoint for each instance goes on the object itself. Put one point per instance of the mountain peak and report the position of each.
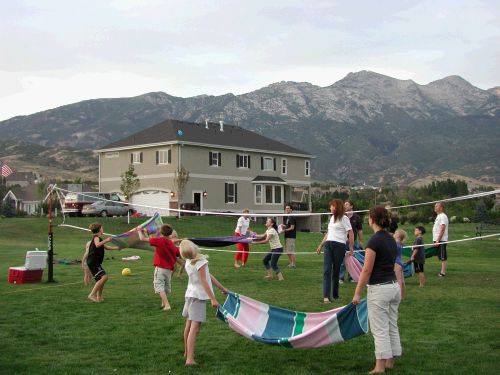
(453, 80)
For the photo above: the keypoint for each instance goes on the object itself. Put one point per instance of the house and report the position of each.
(25, 199)
(22, 179)
(229, 168)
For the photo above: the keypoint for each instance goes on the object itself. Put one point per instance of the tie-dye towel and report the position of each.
(292, 329)
(151, 228)
(354, 265)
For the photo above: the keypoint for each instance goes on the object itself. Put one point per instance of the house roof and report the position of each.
(174, 131)
(25, 194)
(268, 179)
(21, 176)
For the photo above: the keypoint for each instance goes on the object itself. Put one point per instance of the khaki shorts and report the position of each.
(195, 309)
(289, 245)
(162, 280)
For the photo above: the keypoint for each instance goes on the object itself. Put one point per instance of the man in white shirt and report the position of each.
(440, 234)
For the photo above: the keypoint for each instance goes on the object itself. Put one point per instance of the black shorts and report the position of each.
(97, 271)
(419, 267)
(442, 254)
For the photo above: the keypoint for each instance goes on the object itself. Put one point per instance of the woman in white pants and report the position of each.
(384, 294)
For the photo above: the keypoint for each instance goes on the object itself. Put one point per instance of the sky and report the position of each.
(58, 52)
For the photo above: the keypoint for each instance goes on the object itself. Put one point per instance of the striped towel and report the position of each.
(292, 329)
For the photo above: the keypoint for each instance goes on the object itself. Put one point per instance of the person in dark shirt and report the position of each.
(94, 259)
(418, 255)
(290, 230)
(384, 293)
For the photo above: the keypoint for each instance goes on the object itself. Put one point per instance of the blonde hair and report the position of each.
(173, 234)
(401, 235)
(189, 251)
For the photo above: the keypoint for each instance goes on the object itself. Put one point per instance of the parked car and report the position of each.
(74, 202)
(107, 208)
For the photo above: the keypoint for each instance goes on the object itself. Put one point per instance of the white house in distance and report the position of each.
(229, 167)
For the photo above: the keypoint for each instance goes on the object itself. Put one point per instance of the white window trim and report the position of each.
(284, 166)
(136, 157)
(166, 151)
(307, 168)
(245, 157)
(234, 195)
(255, 194)
(216, 165)
(263, 195)
(272, 163)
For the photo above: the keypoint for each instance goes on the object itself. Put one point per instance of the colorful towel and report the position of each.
(221, 241)
(429, 252)
(354, 266)
(292, 329)
(151, 228)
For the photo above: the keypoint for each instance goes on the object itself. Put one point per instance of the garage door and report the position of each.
(152, 198)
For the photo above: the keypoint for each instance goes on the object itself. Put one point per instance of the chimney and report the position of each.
(221, 125)
(206, 123)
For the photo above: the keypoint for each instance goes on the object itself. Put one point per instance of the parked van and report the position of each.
(74, 202)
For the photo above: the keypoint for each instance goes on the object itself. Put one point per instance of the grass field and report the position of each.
(452, 326)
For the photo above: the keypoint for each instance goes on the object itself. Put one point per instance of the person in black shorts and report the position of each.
(94, 260)
(418, 255)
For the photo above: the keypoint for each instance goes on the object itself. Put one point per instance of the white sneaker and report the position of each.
(341, 282)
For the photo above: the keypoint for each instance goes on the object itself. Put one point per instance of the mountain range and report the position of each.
(364, 128)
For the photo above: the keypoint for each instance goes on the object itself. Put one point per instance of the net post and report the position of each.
(50, 247)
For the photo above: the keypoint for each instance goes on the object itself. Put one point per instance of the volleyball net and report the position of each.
(195, 224)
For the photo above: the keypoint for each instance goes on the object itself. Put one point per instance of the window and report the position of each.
(231, 192)
(214, 159)
(268, 194)
(308, 168)
(283, 166)
(136, 158)
(242, 161)
(164, 156)
(258, 194)
(111, 154)
(268, 164)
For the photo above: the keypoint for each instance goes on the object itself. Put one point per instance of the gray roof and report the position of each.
(182, 131)
(268, 178)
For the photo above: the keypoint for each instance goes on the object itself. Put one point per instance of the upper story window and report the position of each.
(267, 164)
(242, 161)
(284, 166)
(307, 168)
(136, 158)
(214, 158)
(111, 154)
(164, 156)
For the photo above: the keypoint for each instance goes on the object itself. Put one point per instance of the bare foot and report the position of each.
(191, 363)
(236, 265)
(375, 371)
(167, 308)
(93, 298)
(389, 363)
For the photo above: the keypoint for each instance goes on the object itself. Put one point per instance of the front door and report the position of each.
(197, 200)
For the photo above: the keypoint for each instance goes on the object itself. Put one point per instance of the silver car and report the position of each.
(107, 208)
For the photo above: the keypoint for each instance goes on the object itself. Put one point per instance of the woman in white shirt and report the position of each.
(335, 239)
(242, 227)
(271, 259)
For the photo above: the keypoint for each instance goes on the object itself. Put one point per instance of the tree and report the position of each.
(180, 180)
(130, 182)
(7, 207)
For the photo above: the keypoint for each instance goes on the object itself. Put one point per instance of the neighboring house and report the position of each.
(229, 167)
(22, 179)
(25, 199)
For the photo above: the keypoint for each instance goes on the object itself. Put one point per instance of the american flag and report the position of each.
(5, 170)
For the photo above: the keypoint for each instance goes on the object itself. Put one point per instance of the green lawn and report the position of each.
(452, 326)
